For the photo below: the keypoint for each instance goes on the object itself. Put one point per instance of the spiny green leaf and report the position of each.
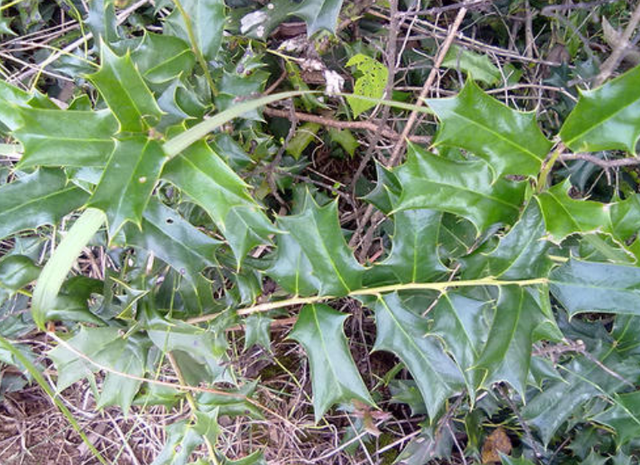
(405, 334)
(173, 240)
(207, 22)
(464, 188)
(507, 354)
(606, 118)
(200, 173)
(291, 268)
(318, 14)
(65, 138)
(169, 335)
(520, 254)
(596, 287)
(182, 440)
(16, 271)
(43, 197)
(161, 58)
(387, 191)
(318, 234)
(334, 376)
(371, 83)
(623, 417)
(478, 67)
(564, 216)
(234, 404)
(124, 90)
(128, 180)
(414, 256)
(510, 141)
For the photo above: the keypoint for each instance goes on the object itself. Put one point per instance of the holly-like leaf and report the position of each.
(520, 254)
(161, 58)
(334, 376)
(317, 14)
(414, 256)
(65, 138)
(128, 180)
(107, 347)
(507, 353)
(464, 188)
(40, 198)
(124, 90)
(596, 287)
(234, 404)
(371, 83)
(406, 335)
(16, 271)
(509, 140)
(207, 22)
(318, 234)
(200, 173)
(387, 191)
(478, 67)
(182, 440)
(173, 240)
(623, 417)
(564, 216)
(606, 118)
(291, 268)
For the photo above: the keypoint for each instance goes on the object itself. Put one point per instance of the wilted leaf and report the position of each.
(496, 443)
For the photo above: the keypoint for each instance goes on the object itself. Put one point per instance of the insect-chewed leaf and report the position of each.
(40, 198)
(606, 118)
(128, 180)
(464, 188)
(174, 240)
(596, 287)
(520, 254)
(564, 216)
(334, 376)
(371, 84)
(318, 234)
(509, 140)
(124, 90)
(402, 332)
(65, 138)
(200, 173)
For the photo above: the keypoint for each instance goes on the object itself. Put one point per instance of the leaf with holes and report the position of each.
(371, 83)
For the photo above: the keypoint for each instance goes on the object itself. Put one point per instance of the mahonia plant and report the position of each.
(482, 252)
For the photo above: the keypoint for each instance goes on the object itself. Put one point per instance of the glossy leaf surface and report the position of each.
(334, 376)
(207, 22)
(510, 141)
(464, 188)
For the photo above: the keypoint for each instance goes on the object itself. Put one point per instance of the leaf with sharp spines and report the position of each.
(520, 254)
(334, 376)
(606, 118)
(162, 58)
(459, 321)
(182, 440)
(464, 188)
(509, 140)
(207, 21)
(414, 254)
(507, 353)
(291, 268)
(596, 287)
(387, 191)
(317, 232)
(173, 240)
(201, 173)
(40, 198)
(128, 181)
(564, 216)
(124, 90)
(65, 138)
(623, 417)
(405, 334)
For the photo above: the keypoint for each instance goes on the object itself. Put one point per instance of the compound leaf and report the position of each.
(334, 376)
